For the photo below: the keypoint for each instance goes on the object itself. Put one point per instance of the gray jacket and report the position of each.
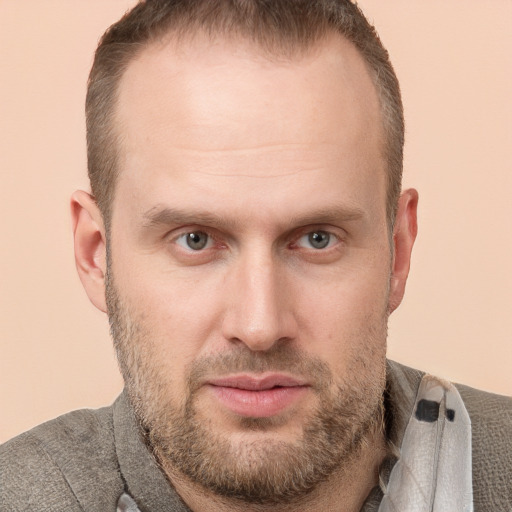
(85, 460)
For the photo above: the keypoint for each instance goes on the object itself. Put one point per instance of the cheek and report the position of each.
(174, 303)
(176, 324)
(344, 296)
(175, 318)
(346, 316)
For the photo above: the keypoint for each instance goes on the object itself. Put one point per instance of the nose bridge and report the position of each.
(258, 314)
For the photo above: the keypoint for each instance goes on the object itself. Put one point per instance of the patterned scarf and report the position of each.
(433, 472)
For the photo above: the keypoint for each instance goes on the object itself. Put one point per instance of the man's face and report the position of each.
(249, 261)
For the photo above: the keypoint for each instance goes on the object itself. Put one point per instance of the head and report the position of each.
(245, 159)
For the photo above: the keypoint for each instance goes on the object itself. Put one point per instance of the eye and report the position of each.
(195, 240)
(317, 240)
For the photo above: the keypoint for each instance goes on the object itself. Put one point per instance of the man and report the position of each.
(248, 237)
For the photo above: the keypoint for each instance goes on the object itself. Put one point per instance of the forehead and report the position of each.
(199, 109)
(211, 81)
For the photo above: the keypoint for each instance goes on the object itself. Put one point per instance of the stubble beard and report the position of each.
(266, 471)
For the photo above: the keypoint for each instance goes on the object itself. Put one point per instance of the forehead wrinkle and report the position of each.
(275, 174)
(273, 146)
(266, 161)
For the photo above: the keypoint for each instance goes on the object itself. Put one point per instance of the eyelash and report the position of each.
(332, 237)
(214, 241)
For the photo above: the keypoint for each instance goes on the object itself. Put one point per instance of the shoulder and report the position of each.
(60, 464)
(489, 409)
(491, 426)
(491, 433)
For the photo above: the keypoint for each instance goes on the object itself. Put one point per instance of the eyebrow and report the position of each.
(168, 216)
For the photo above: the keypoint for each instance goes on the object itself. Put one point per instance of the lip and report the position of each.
(255, 396)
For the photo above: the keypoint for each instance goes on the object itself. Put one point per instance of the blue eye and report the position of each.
(195, 240)
(316, 240)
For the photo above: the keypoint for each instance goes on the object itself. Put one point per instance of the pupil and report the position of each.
(197, 240)
(319, 239)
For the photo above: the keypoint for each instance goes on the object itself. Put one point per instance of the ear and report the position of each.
(90, 246)
(404, 234)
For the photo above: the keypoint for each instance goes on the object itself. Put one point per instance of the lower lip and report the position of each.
(258, 404)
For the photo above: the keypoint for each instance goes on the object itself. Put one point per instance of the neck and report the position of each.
(346, 490)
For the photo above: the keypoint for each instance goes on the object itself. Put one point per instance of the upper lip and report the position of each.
(257, 382)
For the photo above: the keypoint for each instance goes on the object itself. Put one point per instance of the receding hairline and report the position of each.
(249, 49)
(273, 49)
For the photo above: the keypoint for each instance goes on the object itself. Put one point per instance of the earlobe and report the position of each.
(90, 246)
(404, 235)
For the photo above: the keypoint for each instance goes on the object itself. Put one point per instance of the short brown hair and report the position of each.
(284, 26)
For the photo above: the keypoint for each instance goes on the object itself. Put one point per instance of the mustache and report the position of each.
(280, 358)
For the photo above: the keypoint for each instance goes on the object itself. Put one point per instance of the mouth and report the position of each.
(256, 396)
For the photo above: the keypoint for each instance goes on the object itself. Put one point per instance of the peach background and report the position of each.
(453, 58)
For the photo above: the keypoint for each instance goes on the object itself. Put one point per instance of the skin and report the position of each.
(257, 152)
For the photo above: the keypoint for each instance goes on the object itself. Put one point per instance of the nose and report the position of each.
(260, 304)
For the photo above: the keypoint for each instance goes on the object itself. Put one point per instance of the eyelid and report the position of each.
(331, 241)
(177, 233)
(338, 233)
(183, 237)
(220, 241)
